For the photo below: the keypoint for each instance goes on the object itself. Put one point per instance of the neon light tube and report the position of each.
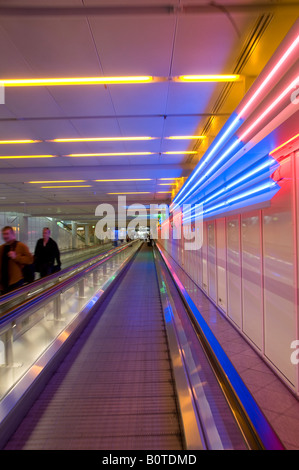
(178, 152)
(66, 187)
(134, 192)
(238, 197)
(270, 75)
(11, 157)
(103, 139)
(238, 118)
(205, 160)
(284, 144)
(74, 81)
(186, 137)
(235, 182)
(7, 142)
(292, 85)
(52, 182)
(113, 154)
(208, 78)
(123, 180)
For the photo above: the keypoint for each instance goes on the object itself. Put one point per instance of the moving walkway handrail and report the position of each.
(56, 289)
(256, 429)
(37, 284)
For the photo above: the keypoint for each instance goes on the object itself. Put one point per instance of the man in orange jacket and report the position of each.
(14, 255)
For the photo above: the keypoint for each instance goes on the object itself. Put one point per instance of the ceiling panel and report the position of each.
(137, 45)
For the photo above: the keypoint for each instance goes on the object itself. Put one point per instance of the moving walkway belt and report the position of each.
(114, 389)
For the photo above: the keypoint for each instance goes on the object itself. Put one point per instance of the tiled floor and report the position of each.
(278, 404)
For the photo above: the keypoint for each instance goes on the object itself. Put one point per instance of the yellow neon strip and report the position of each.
(8, 157)
(136, 192)
(161, 192)
(6, 142)
(208, 78)
(114, 154)
(103, 139)
(186, 137)
(74, 81)
(173, 178)
(51, 182)
(60, 187)
(127, 179)
(177, 152)
(285, 143)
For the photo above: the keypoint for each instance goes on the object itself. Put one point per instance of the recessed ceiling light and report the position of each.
(208, 78)
(6, 142)
(186, 137)
(123, 180)
(61, 181)
(177, 152)
(74, 81)
(12, 157)
(135, 192)
(102, 139)
(67, 187)
(110, 154)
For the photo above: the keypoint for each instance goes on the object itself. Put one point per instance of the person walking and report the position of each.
(14, 256)
(45, 254)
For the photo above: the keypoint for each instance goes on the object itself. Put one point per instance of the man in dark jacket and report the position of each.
(46, 252)
(14, 256)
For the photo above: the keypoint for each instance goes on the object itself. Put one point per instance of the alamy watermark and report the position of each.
(295, 354)
(295, 94)
(184, 222)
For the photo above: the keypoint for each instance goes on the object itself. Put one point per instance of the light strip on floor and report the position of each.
(74, 81)
(8, 142)
(110, 154)
(12, 157)
(103, 139)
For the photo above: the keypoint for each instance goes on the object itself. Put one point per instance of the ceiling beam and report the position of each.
(199, 9)
(12, 175)
(114, 116)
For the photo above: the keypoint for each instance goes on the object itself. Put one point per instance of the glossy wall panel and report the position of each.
(279, 273)
(252, 277)
(248, 266)
(234, 279)
(212, 287)
(221, 264)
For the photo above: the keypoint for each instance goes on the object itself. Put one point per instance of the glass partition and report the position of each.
(30, 331)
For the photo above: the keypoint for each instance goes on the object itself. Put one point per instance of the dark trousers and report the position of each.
(13, 287)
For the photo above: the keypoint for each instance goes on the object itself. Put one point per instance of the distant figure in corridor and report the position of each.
(46, 252)
(14, 256)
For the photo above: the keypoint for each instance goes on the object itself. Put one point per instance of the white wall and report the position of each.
(248, 266)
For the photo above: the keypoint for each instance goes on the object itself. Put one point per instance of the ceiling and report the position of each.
(76, 38)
